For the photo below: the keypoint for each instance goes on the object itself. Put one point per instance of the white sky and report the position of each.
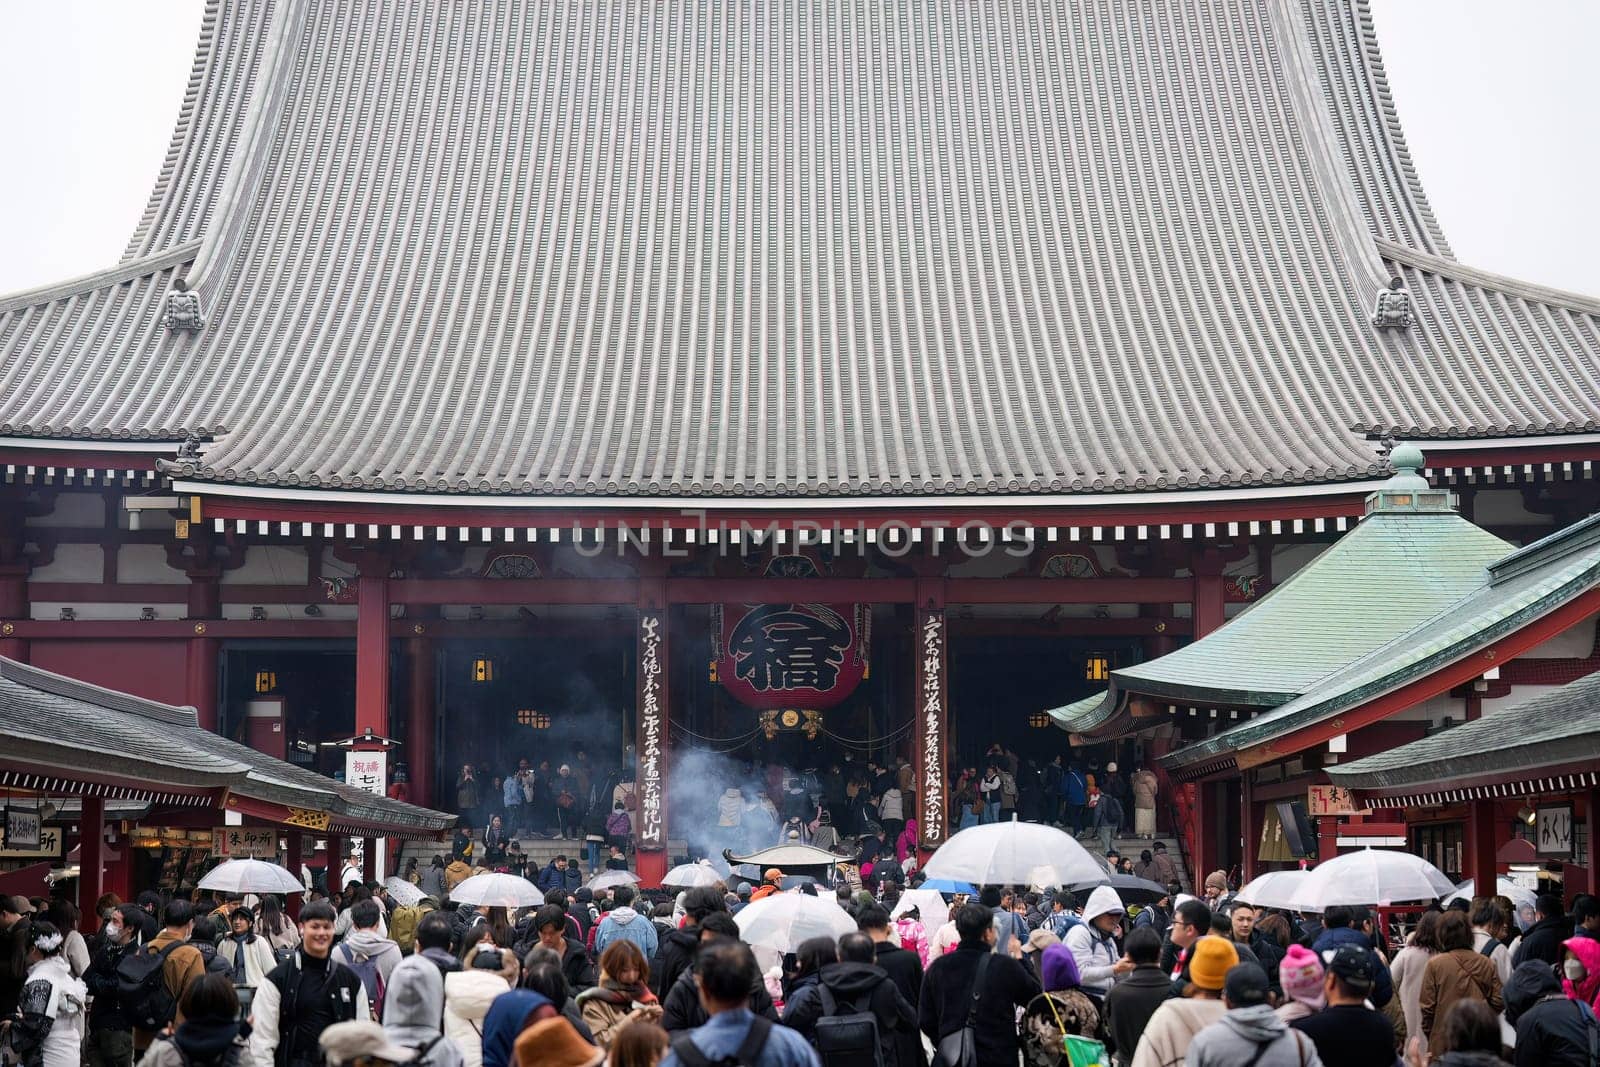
(1497, 100)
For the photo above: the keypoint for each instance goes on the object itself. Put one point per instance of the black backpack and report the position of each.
(145, 998)
(746, 1055)
(849, 1037)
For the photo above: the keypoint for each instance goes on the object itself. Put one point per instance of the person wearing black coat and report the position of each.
(1543, 940)
(904, 969)
(681, 1010)
(947, 990)
(1552, 1031)
(675, 951)
(854, 985)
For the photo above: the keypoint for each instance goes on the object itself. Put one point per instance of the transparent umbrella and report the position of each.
(1275, 889)
(1371, 876)
(689, 875)
(780, 922)
(497, 891)
(1522, 898)
(1014, 853)
(935, 912)
(403, 891)
(251, 876)
(611, 879)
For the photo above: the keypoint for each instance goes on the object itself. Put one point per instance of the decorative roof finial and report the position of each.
(183, 309)
(1407, 491)
(190, 449)
(1393, 309)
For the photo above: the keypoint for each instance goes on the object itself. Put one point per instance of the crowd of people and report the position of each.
(625, 979)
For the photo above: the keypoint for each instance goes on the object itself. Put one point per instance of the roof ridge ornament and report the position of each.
(183, 309)
(1407, 492)
(1393, 308)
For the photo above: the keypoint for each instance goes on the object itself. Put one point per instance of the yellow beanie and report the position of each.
(1210, 960)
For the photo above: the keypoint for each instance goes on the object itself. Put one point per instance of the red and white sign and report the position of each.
(791, 655)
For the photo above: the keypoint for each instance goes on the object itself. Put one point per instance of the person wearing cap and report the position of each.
(1173, 1027)
(1251, 1032)
(1347, 1033)
(742, 895)
(362, 1043)
(1093, 942)
(771, 882)
(1038, 941)
(1300, 976)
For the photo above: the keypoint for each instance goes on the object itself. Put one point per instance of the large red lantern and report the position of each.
(791, 655)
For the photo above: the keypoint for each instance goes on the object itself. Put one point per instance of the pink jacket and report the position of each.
(906, 844)
(913, 937)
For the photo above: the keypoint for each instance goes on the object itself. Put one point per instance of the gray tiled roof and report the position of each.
(1558, 727)
(613, 248)
(63, 724)
(1566, 565)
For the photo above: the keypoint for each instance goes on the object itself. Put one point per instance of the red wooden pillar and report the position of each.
(372, 654)
(294, 859)
(335, 864)
(1327, 837)
(1482, 844)
(1591, 855)
(651, 717)
(200, 681)
(91, 858)
(1252, 835)
(420, 720)
(932, 704)
(1209, 600)
(1202, 850)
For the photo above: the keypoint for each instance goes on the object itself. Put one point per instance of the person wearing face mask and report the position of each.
(110, 1042)
(1580, 970)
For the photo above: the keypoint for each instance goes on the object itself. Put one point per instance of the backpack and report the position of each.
(371, 979)
(403, 926)
(229, 1056)
(618, 824)
(146, 1001)
(847, 1038)
(745, 1056)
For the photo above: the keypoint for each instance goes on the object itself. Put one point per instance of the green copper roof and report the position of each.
(1084, 714)
(1549, 573)
(1392, 572)
(1558, 727)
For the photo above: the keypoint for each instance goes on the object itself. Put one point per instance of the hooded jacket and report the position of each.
(677, 955)
(467, 997)
(854, 987)
(625, 924)
(199, 1043)
(504, 1023)
(1096, 953)
(368, 944)
(1241, 1033)
(1552, 1031)
(682, 1011)
(456, 873)
(413, 1009)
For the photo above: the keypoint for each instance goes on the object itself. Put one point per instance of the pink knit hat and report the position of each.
(1300, 974)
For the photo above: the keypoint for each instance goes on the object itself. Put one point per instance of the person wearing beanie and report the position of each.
(1173, 1027)
(1073, 1012)
(1300, 976)
(1251, 1031)
(1216, 889)
(555, 1043)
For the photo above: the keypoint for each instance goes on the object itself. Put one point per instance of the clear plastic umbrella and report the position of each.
(1275, 889)
(611, 879)
(497, 891)
(935, 912)
(1014, 853)
(404, 893)
(1522, 898)
(689, 875)
(780, 922)
(251, 876)
(1371, 876)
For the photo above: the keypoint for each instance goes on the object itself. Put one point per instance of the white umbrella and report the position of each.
(1014, 853)
(251, 876)
(1522, 898)
(404, 893)
(497, 891)
(783, 920)
(935, 912)
(611, 879)
(1275, 889)
(1371, 876)
(689, 875)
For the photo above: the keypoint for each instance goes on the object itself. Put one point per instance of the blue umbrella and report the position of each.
(945, 885)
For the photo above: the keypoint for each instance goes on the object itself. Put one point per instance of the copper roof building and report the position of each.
(431, 304)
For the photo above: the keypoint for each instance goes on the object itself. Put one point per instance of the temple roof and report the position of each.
(1515, 591)
(100, 731)
(1553, 729)
(618, 249)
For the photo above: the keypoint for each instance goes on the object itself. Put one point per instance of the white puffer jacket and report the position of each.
(467, 996)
